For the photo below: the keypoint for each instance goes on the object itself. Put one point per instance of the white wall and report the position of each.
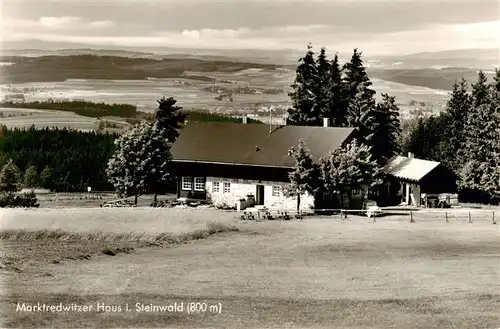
(240, 188)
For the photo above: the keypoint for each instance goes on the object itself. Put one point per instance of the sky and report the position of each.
(377, 28)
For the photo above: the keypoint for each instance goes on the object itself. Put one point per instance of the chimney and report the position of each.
(326, 122)
(410, 155)
(244, 119)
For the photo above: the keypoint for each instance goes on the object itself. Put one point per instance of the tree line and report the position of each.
(465, 137)
(323, 89)
(84, 108)
(343, 95)
(58, 159)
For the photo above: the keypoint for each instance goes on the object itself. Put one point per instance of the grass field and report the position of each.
(315, 273)
(25, 118)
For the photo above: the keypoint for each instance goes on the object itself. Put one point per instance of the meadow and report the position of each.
(25, 118)
(316, 273)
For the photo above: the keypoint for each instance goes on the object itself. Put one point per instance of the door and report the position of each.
(259, 195)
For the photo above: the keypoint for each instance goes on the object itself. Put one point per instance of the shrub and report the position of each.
(24, 200)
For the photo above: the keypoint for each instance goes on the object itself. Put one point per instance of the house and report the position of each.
(417, 176)
(228, 162)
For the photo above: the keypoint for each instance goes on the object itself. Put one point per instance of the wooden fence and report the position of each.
(448, 215)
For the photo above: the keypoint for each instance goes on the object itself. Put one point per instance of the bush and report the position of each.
(24, 200)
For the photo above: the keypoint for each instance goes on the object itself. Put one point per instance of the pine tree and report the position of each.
(495, 85)
(31, 178)
(303, 96)
(46, 178)
(169, 118)
(480, 90)
(337, 103)
(481, 151)
(355, 74)
(361, 115)
(385, 139)
(304, 176)
(455, 114)
(10, 177)
(322, 85)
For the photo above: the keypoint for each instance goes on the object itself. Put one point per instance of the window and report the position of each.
(215, 187)
(187, 183)
(227, 187)
(199, 183)
(276, 190)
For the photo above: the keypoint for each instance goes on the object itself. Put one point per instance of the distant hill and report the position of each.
(60, 68)
(486, 59)
(34, 48)
(431, 78)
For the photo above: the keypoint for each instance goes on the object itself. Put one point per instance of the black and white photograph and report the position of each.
(296, 164)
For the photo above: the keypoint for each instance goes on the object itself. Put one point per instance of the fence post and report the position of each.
(446, 216)
(470, 219)
(411, 217)
(494, 218)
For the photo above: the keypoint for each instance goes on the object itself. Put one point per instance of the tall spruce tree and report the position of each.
(455, 115)
(478, 174)
(337, 103)
(322, 85)
(355, 74)
(361, 115)
(304, 111)
(385, 139)
(480, 90)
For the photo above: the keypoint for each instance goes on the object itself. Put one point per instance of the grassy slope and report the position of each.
(316, 273)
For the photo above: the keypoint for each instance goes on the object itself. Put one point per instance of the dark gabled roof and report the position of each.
(252, 144)
(409, 169)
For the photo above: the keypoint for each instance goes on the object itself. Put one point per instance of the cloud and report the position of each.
(433, 37)
(101, 24)
(58, 22)
(51, 23)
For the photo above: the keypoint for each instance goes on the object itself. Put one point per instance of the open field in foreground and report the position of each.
(315, 273)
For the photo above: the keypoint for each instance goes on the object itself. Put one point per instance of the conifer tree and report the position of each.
(361, 115)
(303, 111)
(481, 151)
(355, 74)
(304, 178)
(337, 102)
(31, 178)
(480, 90)
(169, 118)
(46, 178)
(455, 114)
(385, 139)
(10, 177)
(322, 86)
